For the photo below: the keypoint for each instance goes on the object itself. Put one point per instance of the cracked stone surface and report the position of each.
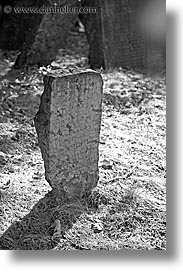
(68, 127)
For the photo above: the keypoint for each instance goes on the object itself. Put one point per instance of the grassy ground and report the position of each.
(127, 210)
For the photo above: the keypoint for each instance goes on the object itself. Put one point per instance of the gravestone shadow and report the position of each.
(44, 226)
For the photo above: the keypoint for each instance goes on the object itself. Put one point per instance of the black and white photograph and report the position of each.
(83, 125)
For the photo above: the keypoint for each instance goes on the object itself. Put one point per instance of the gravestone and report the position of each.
(68, 127)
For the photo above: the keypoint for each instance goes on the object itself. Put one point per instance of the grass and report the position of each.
(127, 209)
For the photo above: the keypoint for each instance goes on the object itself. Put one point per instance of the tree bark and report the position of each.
(93, 29)
(114, 36)
(124, 41)
(15, 27)
(44, 42)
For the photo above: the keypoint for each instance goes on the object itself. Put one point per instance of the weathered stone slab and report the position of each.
(68, 126)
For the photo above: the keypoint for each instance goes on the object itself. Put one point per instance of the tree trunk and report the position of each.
(124, 42)
(15, 27)
(68, 127)
(114, 36)
(93, 29)
(43, 44)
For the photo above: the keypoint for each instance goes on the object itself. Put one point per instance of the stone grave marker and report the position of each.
(68, 126)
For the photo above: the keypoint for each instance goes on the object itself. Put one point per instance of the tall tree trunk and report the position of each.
(15, 27)
(124, 41)
(93, 29)
(43, 44)
(114, 36)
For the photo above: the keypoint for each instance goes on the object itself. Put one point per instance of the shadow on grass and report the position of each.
(44, 226)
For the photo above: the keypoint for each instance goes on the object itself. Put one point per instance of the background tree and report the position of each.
(44, 41)
(114, 36)
(16, 27)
